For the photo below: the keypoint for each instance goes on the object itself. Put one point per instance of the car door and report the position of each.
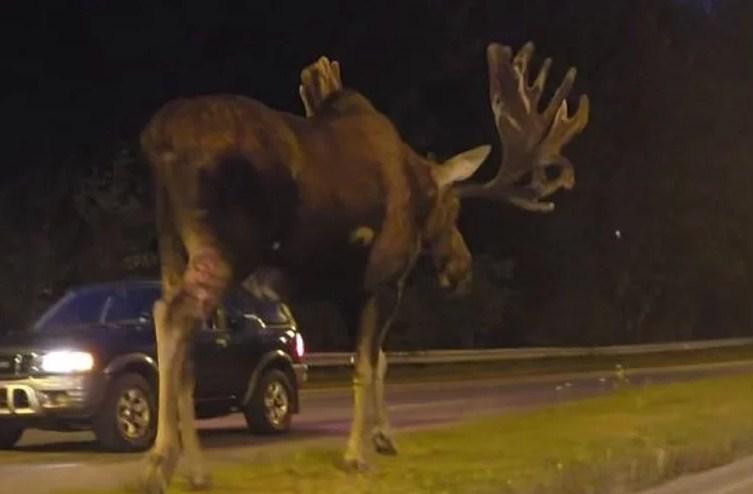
(249, 329)
(214, 360)
(227, 351)
(246, 328)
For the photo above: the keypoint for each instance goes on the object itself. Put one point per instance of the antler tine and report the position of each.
(531, 141)
(564, 128)
(318, 81)
(559, 96)
(538, 85)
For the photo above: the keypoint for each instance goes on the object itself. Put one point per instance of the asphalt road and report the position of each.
(48, 462)
(735, 478)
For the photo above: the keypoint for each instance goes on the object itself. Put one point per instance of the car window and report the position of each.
(272, 312)
(130, 305)
(240, 302)
(75, 309)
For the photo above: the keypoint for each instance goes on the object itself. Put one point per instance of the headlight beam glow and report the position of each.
(67, 361)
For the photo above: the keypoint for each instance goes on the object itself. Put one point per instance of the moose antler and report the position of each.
(531, 141)
(318, 81)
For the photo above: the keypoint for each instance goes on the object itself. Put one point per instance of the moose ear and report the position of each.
(460, 167)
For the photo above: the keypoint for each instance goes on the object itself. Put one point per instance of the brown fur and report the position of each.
(308, 182)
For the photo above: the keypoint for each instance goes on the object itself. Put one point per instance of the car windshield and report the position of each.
(100, 305)
(130, 305)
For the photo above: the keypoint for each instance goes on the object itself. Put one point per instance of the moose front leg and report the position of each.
(363, 381)
(368, 377)
(381, 435)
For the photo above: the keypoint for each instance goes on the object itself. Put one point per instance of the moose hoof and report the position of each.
(355, 465)
(199, 481)
(384, 444)
(156, 474)
(153, 482)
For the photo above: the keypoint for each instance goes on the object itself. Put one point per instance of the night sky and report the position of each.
(82, 74)
(93, 71)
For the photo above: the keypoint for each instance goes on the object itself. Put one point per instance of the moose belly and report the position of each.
(325, 270)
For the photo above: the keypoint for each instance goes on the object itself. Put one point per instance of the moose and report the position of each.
(338, 206)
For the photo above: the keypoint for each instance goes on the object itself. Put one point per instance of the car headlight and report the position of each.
(300, 347)
(67, 361)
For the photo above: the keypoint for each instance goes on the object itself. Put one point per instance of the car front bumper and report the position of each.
(301, 373)
(58, 396)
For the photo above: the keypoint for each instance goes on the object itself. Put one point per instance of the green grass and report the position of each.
(340, 376)
(630, 439)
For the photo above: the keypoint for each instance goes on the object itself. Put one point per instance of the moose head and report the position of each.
(531, 141)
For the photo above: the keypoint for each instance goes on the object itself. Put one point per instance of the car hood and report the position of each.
(81, 337)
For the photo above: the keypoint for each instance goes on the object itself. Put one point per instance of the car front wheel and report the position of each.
(269, 411)
(9, 435)
(128, 418)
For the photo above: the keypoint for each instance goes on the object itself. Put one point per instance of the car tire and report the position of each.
(270, 409)
(127, 420)
(9, 435)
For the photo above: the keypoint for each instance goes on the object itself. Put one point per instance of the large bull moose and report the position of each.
(338, 205)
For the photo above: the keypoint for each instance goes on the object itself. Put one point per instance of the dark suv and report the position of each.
(89, 363)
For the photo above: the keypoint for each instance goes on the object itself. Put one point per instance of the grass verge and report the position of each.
(631, 439)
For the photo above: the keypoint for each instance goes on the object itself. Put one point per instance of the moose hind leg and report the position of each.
(163, 457)
(204, 281)
(197, 475)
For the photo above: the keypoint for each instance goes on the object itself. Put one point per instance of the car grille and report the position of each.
(17, 400)
(15, 365)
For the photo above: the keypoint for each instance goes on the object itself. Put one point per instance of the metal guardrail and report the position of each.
(499, 354)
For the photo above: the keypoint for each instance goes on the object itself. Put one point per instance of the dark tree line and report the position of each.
(655, 242)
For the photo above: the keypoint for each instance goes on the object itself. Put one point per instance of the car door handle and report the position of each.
(222, 341)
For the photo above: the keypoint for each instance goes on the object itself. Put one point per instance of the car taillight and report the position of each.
(300, 347)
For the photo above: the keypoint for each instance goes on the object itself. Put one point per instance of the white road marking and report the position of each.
(431, 404)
